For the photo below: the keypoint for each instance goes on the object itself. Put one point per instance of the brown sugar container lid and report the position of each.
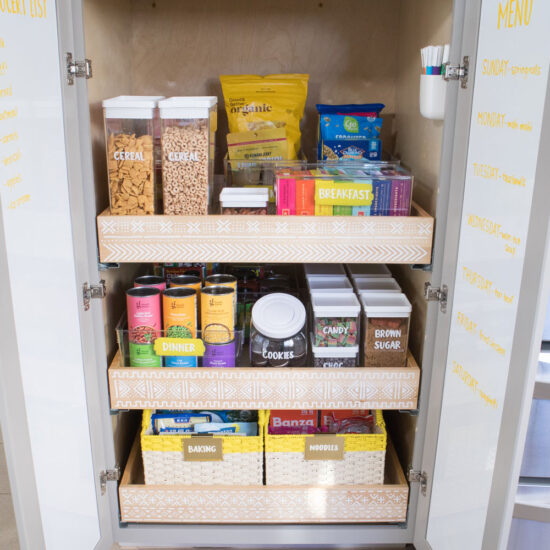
(386, 305)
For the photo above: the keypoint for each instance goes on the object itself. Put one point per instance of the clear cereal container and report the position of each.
(335, 319)
(188, 128)
(387, 319)
(334, 358)
(130, 127)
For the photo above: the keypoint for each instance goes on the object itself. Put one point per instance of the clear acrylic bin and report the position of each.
(130, 127)
(335, 319)
(188, 126)
(137, 349)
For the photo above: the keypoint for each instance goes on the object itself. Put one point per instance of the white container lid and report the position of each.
(131, 106)
(386, 305)
(373, 284)
(333, 352)
(278, 315)
(323, 270)
(187, 107)
(234, 197)
(336, 283)
(334, 304)
(368, 270)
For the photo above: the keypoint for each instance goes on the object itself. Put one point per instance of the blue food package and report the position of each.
(370, 149)
(349, 128)
(179, 421)
(231, 428)
(358, 109)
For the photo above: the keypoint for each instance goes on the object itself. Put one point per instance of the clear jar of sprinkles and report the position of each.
(278, 332)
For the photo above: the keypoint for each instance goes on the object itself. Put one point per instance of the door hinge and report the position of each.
(437, 294)
(416, 476)
(458, 72)
(77, 69)
(108, 475)
(90, 292)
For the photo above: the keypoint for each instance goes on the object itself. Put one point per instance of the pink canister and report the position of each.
(144, 317)
(150, 280)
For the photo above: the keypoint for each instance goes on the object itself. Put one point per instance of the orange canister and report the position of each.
(224, 280)
(217, 313)
(189, 281)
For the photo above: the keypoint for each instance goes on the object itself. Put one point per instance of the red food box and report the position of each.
(328, 417)
(293, 419)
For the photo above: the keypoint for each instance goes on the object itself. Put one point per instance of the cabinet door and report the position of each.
(494, 264)
(44, 260)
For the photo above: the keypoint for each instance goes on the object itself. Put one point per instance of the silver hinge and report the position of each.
(416, 476)
(436, 294)
(90, 292)
(458, 72)
(108, 475)
(77, 69)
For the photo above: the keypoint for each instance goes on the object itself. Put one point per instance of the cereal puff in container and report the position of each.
(129, 135)
(188, 128)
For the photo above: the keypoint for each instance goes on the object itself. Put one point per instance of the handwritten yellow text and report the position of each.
(14, 136)
(514, 13)
(473, 328)
(12, 182)
(19, 202)
(5, 114)
(10, 159)
(491, 119)
(6, 92)
(37, 8)
(473, 384)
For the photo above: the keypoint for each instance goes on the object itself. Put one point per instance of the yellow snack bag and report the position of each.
(257, 102)
(258, 145)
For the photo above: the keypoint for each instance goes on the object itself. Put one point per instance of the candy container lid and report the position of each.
(386, 305)
(335, 304)
(368, 270)
(324, 270)
(372, 284)
(278, 315)
(333, 352)
(131, 106)
(330, 284)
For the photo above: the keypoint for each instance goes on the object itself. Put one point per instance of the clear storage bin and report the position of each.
(387, 319)
(335, 319)
(376, 284)
(334, 358)
(329, 284)
(278, 332)
(129, 136)
(324, 270)
(188, 126)
(368, 270)
(239, 200)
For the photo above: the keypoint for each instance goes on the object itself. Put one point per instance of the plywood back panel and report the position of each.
(349, 48)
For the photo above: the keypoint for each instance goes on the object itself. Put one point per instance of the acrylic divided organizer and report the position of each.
(362, 463)
(130, 131)
(335, 319)
(324, 270)
(386, 329)
(188, 127)
(240, 463)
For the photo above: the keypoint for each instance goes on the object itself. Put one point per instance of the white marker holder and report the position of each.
(432, 96)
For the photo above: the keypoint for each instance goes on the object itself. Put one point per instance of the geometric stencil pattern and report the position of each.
(268, 388)
(178, 504)
(375, 239)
